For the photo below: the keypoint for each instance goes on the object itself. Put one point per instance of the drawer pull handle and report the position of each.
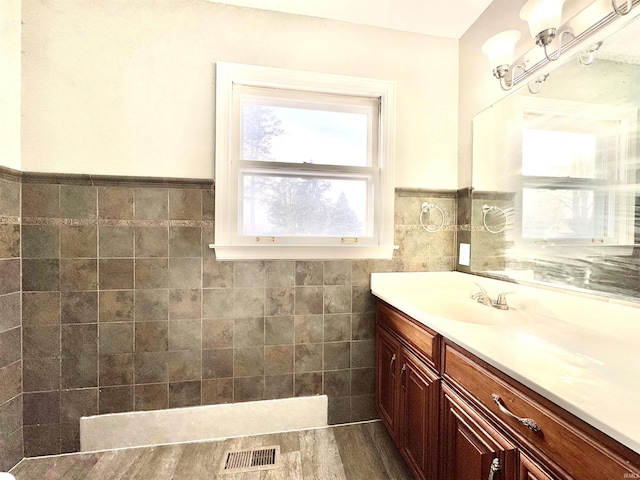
(495, 467)
(404, 369)
(393, 361)
(527, 422)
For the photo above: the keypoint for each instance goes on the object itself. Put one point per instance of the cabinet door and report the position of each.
(387, 388)
(472, 448)
(530, 470)
(420, 389)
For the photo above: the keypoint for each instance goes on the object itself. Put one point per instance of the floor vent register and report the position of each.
(261, 458)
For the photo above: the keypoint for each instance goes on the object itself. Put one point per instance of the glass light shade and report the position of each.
(542, 15)
(499, 48)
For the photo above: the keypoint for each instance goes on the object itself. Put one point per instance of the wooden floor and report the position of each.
(348, 452)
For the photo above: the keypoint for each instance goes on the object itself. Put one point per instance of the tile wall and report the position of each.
(125, 307)
(11, 433)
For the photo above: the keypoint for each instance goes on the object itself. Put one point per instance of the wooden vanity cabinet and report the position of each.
(407, 393)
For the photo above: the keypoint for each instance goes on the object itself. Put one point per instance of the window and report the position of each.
(575, 169)
(303, 164)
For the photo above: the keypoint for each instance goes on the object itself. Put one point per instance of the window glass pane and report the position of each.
(558, 214)
(304, 135)
(554, 153)
(303, 206)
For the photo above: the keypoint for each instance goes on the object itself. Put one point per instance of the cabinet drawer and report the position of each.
(558, 441)
(422, 340)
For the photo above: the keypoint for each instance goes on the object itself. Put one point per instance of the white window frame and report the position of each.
(233, 79)
(622, 203)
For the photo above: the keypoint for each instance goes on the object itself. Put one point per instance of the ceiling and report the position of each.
(441, 18)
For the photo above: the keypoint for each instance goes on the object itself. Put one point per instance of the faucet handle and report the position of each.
(482, 289)
(502, 300)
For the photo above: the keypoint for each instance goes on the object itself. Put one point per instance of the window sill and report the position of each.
(302, 252)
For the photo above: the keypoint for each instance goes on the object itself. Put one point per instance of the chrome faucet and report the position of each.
(481, 296)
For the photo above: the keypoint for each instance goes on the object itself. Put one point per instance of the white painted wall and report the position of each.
(478, 88)
(10, 83)
(126, 87)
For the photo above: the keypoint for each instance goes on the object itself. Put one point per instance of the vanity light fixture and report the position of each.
(586, 56)
(544, 17)
(499, 49)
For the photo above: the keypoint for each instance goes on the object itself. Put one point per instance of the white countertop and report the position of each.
(579, 352)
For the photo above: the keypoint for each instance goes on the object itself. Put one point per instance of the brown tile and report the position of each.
(40, 200)
(308, 357)
(339, 410)
(363, 326)
(115, 399)
(363, 408)
(10, 381)
(184, 394)
(248, 302)
(151, 203)
(41, 440)
(217, 390)
(40, 374)
(337, 299)
(248, 362)
(249, 273)
(337, 327)
(115, 203)
(185, 304)
(216, 274)
(78, 241)
(309, 273)
(337, 272)
(306, 384)
(70, 437)
(12, 450)
(152, 273)
(40, 408)
(79, 307)
(362, 353)
(79, 339)
(40, 241)
(153, 396)
(217, 334)
(11, 415)
(362, 300)
(278, 359)
(79, 372)
(308, 300)
(115, 242)
(278, 330)
(9, 241)
(185, 272)
(151, 367)
(116, 369)
(37, 275)
(10, 198)
(308, 328)
(185, 204)
(152, 241)
(248, 332)
(278, 386)
(116, 306)
(41, 341)
(78, 201)
(279, 273)
(248, 389)
(185, 242)
(10, 308)
(116, 274)
(279, 301)
(362, 381)
(208, 201)
(78, 274)
(185, 365)
(151, 305)
(337, 355)
(185, 335)
(41, 308)
(115, 338)
(218, 303)
(78, 403)
(10, 342)
(152, 337)
(337, 383)
(217, 363)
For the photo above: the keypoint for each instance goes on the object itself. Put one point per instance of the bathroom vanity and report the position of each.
(468, 391)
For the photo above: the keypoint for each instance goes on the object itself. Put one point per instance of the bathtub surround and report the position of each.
(11, 431)
(126, 308)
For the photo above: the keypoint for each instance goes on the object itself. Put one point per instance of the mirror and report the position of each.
(556, 174)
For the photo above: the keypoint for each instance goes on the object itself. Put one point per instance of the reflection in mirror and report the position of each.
(556, 175)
